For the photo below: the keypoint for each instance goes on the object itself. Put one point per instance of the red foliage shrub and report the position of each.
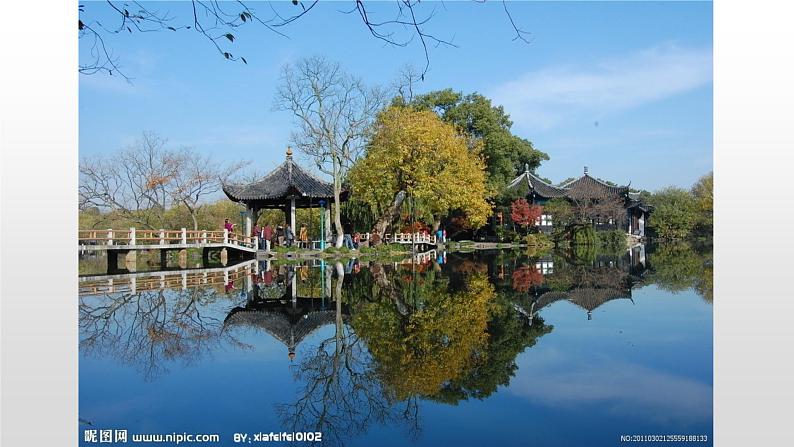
(523, 213)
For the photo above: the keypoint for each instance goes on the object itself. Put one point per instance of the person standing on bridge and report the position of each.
(303, 237)
(256, 233)
(289, 235)
(228, 226)
(267, 236)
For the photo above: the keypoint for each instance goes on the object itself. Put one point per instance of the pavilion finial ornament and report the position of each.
(585, 170)
(289, 152)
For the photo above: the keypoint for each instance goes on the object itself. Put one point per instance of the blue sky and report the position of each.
(624, 88)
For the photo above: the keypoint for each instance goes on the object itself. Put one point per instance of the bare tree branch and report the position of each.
(142, 181)
(333, 112)
(216, 21)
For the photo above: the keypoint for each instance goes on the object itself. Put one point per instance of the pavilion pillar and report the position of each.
(248, 225)
(292, 214)
(327, 217)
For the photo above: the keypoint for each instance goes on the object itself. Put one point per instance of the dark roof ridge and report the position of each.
(596, 179)
(540, 179)
(311, 174)
(537, 184)
(607, 184)
(269, 174)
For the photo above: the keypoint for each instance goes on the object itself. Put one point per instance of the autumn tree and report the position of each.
(130, 181)
(523, 213)
(333, 111)
(414, 154)
(143, 181)
(195, 178)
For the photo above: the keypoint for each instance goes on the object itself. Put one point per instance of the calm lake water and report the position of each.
(467, 349)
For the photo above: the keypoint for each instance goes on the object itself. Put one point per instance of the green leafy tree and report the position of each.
(504, 152)
(675, 213)
(703, 191)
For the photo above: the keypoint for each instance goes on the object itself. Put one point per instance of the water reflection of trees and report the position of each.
(431, 339)
(588, 275)
(401, 334)
(341, 395)
(414, 334)
(678, 266)
(151, 328)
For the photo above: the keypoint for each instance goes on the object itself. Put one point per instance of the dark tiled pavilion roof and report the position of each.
(287, 180)
(585, 187)
(536, 184)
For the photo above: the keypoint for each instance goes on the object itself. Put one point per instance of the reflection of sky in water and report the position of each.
(640, 366)
(650, 361)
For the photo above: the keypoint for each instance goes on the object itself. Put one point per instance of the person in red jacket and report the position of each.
(267, 235)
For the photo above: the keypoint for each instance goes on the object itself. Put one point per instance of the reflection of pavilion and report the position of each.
(276, 308)
(588, 298)
(591, 286)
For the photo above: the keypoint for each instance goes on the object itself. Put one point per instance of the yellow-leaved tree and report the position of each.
(414, 154)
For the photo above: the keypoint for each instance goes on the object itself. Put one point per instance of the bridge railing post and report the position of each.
(162, 237)
(110, 237)
(203, 237)
(184, 236)
(132, 236)
(225, 236)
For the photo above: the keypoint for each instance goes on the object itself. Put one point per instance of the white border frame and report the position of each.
(754, 165)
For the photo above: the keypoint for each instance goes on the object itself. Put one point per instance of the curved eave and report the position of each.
(292, 192)
(229, 194)
(537, 186)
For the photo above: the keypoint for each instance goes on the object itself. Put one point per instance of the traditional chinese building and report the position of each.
(586, 189)
(287, 188)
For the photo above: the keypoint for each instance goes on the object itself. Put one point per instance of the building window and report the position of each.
(545, 267)
(545, 220)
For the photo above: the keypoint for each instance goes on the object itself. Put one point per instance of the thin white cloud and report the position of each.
(616, 386)
(543, 98)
